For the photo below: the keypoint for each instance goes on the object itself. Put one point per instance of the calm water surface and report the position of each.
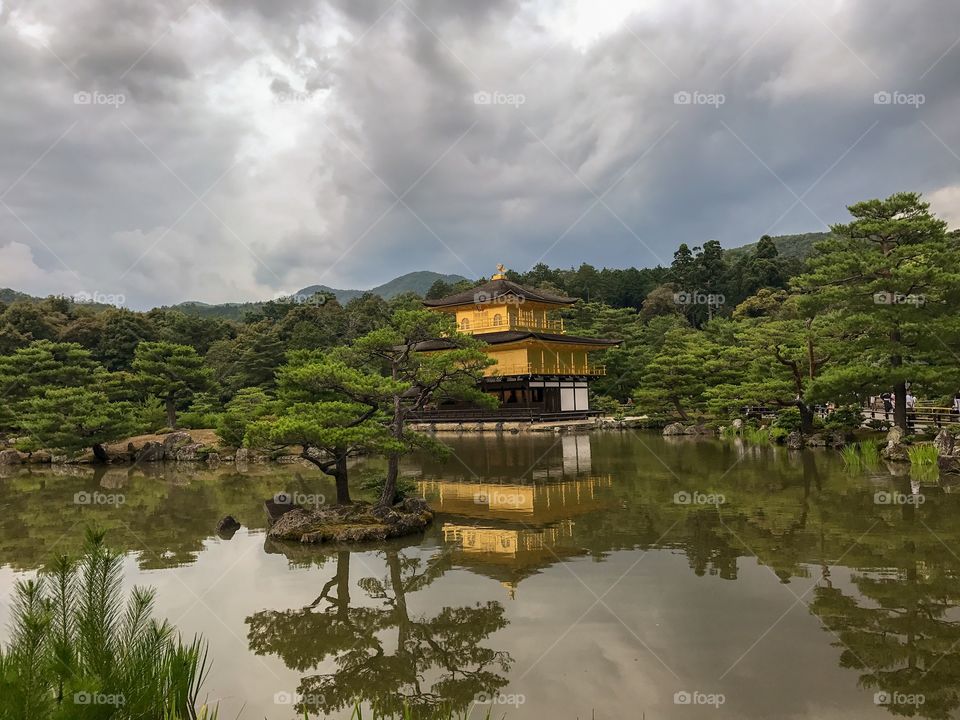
(564, 576)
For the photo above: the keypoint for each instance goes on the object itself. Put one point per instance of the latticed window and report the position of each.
(497, 320)
(465, 324)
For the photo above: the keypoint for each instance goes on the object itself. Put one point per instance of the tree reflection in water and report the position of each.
(385, 655)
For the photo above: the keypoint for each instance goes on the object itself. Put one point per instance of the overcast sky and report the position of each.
(227, 150)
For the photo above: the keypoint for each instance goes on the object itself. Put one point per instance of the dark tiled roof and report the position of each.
(509, 336)
(490, 291)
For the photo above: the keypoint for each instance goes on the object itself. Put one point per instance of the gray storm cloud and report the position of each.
(234, 149)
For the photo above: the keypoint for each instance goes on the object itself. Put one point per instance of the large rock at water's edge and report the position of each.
(278, 506)
(895, 450)
(242, 459)
(177, 438)
(187, 453)
(10, 457)
(360, 522)
(944, 442)
(794, 440)
(675, 428)
(150, 452)
(227, 527)
(173, 442)
(949, 465)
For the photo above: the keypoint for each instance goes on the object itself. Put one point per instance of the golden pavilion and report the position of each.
(541, 373)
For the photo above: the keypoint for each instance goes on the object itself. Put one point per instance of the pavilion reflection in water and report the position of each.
(521, 516)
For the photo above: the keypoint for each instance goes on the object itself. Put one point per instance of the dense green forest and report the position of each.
(872, 308)
(415, 282)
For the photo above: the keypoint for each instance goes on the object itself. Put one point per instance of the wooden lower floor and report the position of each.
(532, 397)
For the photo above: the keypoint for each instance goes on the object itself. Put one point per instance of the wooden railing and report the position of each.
(556, 369)
(509, 323)
(921, 416)
(504, 413)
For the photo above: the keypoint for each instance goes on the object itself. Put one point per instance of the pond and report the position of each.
(608, 575)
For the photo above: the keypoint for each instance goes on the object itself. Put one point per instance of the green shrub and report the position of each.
(607, 405)
(149, 415)
(788, 419)
(248, 405)
(372, 482)
(198, 421)
(204, 412)
(729, 431)
(778, 434)
(846, 419)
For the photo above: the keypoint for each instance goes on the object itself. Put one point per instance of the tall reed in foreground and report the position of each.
(78, 650)
(923, 455)
(852, 460)
(756, 436)
(869, 452)
(865, 454)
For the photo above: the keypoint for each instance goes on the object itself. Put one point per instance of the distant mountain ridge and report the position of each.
(798, 246)
(418, 282)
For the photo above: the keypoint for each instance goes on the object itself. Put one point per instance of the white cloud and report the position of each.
(19, 270)
(945, 202)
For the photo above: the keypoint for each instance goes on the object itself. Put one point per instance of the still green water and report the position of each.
(607, 575)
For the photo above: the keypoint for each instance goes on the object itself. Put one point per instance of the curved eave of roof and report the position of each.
(490, 291)
(509, 336)
(512, 336)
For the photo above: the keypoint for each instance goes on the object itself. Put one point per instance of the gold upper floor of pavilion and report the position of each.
(501, 305)
(522, 336)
